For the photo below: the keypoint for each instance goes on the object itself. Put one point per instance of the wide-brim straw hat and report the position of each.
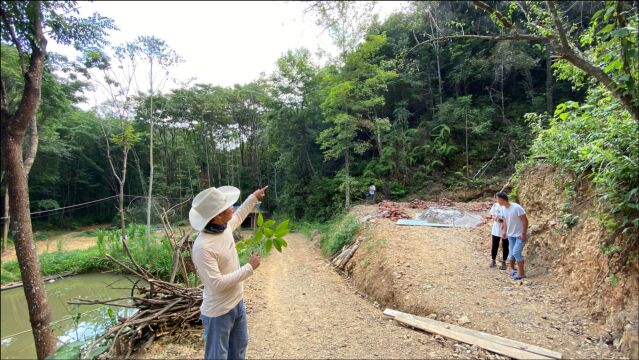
(210, 203)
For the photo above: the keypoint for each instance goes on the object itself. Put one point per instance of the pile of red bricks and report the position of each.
(391, 210)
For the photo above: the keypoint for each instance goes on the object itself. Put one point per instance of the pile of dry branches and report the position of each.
(389, 209)
(163, 308)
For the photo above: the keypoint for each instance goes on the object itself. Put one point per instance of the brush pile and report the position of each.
(164, 308)
(390, 210)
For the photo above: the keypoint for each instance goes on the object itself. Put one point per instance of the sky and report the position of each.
(222, 43)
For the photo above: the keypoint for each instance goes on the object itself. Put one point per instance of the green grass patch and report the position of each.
(78, 261)
(156, 257)
(340, 232)
(334, 234)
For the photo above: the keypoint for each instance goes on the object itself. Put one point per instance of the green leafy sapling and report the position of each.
(267, 235)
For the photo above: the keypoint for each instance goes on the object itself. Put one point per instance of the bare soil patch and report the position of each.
(443, 273)
(72, 240)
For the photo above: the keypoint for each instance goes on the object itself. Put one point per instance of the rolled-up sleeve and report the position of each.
(242, 212)
(215, 280)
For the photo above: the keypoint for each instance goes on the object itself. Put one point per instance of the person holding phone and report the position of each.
(496, 213)
(223, 313)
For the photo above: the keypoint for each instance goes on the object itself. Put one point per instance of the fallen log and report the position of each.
(497, 344)
(340, 261)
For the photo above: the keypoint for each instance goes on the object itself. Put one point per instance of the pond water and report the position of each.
(17, 339)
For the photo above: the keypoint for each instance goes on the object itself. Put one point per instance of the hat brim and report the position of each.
(198, 222)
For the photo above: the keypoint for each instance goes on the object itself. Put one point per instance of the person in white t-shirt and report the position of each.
(515, 228)
(371, 193)
(496, 213)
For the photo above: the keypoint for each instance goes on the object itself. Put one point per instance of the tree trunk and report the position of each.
(34, 290)
(121, 211)
(466, 129)
(549, 100)
(147, 242)
(379, 141)
(125, 155)
(439, 75)
(7, 218)
(29, 158)
(347, 182)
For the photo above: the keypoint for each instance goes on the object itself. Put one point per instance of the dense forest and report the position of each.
(395, 109)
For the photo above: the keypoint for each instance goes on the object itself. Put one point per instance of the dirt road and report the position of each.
(298, 307)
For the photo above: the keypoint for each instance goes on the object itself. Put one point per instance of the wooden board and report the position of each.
(435, 326)
(411, 222)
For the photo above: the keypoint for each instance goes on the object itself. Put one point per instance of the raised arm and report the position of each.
(240, 214)
(247, 206)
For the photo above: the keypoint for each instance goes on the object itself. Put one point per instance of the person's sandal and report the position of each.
(519, 277)
(513, 273)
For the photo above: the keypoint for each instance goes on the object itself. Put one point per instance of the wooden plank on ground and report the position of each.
(411, 222)
(434, 325)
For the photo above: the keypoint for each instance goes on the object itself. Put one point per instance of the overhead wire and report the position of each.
(42, 213)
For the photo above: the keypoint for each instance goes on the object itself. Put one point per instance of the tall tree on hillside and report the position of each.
(346, 22)
(24, 25)
(294, 115)
(352, 100)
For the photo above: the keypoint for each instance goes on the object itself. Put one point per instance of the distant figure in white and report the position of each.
(371, 194)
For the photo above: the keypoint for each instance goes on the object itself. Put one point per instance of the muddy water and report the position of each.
(17, 340)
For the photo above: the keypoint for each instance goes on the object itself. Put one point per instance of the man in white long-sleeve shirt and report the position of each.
(223, 313)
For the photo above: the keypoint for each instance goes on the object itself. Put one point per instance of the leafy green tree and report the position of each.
(353, 97)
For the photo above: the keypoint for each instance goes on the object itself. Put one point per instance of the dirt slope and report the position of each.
(444, 272)
(298, 307)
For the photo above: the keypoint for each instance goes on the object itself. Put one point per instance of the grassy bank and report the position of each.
(78, 261)
(334, 234)
(156, 257)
